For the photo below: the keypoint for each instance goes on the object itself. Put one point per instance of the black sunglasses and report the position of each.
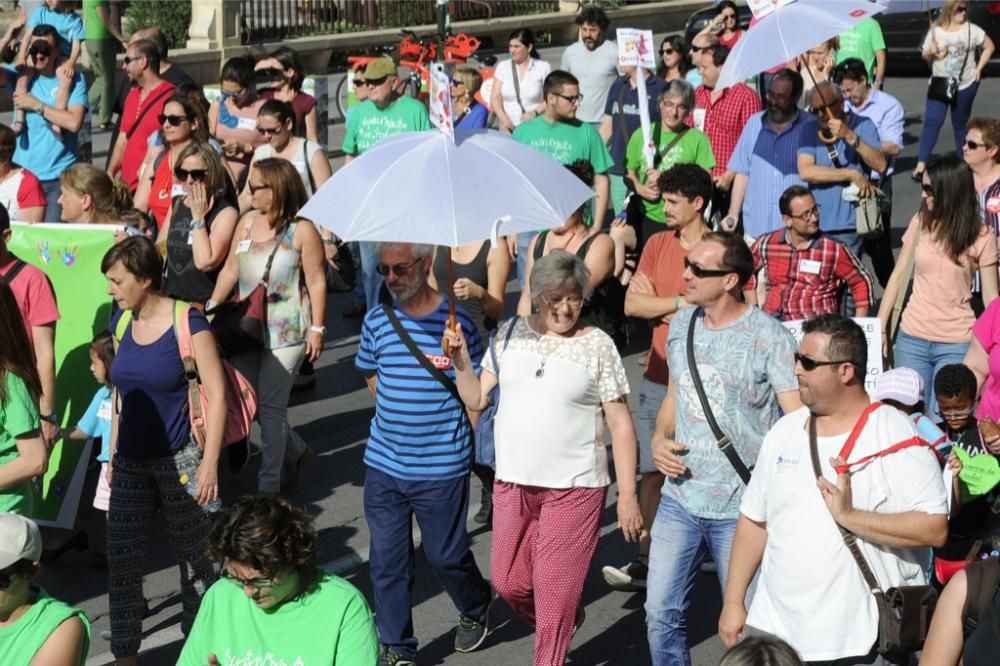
(129, 60)
(398, 269)
(267, 131)
(962, 8)
(810, 364)
(700, 272)
(358, 82)
(197, 175)
(667, 51)
(928, 190)
(375, 82)
(973, 145)
(40, 50)
(254, 188)
(174, 121)
(696, 49)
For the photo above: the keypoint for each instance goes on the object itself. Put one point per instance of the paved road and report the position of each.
(334, 418)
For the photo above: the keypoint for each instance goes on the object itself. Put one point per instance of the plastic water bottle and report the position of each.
(191, 486)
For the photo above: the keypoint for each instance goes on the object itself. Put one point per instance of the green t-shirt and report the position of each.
(20, 641)
(567, 141)
(93, 26)
(693, 148)
(369, 124)
(862, 41)
(330, 624)
(18, 415)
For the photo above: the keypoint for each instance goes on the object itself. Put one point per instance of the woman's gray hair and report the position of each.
(555, 270)
(418, 250)
(678, 88)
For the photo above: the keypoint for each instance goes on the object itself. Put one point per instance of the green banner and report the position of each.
(70, 255)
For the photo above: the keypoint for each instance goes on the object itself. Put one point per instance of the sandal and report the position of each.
(917, 176)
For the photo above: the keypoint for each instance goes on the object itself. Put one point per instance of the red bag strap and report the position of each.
(848, 447)
(845, 452)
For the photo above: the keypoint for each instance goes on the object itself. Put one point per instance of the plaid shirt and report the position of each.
(804, 283)
(724, 120)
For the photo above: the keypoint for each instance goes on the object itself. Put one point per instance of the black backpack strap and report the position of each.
(421, 358)
(14, 270)
(722, 440)
(981, 578)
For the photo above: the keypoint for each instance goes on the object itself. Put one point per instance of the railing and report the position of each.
(285, 19)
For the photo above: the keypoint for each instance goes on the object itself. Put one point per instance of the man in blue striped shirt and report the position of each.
(418, 457)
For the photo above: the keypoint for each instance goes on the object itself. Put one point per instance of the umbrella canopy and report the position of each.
(789, 31)
(906, 6)
(422, 187)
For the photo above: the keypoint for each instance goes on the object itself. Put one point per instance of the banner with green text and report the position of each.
(70, 255)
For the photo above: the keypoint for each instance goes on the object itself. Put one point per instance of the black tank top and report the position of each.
(184, 281)
(475, 271)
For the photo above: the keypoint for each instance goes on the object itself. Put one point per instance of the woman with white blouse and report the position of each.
(514, 104)
(557, 379)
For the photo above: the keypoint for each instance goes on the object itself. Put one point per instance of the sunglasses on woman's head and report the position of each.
(197, 175)
(174, 121)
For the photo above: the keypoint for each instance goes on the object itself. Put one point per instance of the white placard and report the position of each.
(635, 47)
(440, 99)
(762, 8)
(872, 326)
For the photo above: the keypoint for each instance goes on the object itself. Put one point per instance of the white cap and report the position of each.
(19, 540)
(904, 385)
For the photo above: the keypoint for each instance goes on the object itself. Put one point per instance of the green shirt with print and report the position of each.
(18, 416)
(567, 141)
(693, 148)
(329, 624)
(21, 641)
(370, 124)
(862, 41)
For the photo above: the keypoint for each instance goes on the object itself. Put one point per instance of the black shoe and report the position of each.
(472, 631)
(389, 658)
(485, 514)
(581, 617)
(306, 377)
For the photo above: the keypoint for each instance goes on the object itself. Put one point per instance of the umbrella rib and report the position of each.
(524, 177)
(374, 187)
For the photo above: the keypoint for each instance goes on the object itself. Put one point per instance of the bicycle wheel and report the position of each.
(343, 91)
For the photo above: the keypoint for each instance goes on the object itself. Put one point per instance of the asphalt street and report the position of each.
(334, 419)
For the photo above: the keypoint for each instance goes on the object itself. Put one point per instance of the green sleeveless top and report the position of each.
(20, 642)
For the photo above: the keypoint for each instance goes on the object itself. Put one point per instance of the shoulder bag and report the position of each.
(944, 89)
(904, 613)
(721, 439)
(868, 210)
(309, 171)
(517, 86)
(240, 325)
(241, 398)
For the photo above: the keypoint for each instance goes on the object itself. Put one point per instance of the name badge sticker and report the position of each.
(243, 246)
(177, 190)
(809, 266)
(699, 119)
(247, 124)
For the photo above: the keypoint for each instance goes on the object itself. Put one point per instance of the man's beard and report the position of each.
(408, 292)
(778, 115)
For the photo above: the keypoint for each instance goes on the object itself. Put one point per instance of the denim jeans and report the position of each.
(370, 280)
(927, 358)
(680, 543)
(934, 113)
(855, 244)
(52, 190)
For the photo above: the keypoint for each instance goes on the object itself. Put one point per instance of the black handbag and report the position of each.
(904, 613)
(944, 89)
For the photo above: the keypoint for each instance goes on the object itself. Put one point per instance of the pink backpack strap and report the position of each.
(185, 345)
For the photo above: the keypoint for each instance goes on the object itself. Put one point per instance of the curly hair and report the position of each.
(269, 534)
(954, 380)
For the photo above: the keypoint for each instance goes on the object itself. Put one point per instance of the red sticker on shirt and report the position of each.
(440, 362)
(993, 205)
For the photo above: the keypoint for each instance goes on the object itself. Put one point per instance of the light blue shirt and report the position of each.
(40, 149)
(96, 421)
(69, 25)
(770, 160)
(887, 113)
(835, 213)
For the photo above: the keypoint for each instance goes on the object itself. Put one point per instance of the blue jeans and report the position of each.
(370, 280)
(52, 190)
(440, 508)
(680, 543)
(927, 358)
(934, 113)
(855, 244)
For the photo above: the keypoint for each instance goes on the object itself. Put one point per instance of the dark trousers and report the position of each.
(934, 115)
(440, 508)
(880, 248)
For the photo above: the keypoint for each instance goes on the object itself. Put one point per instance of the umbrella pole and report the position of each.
(826, 102)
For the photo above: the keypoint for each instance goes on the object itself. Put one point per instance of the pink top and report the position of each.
(938, 309)
(244, 132)
(34, 296)
(987, 331)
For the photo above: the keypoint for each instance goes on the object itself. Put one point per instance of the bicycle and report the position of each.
(416, 54)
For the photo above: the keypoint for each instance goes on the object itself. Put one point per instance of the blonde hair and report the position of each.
(110, 198)
(947, 12)
(470, 78)
(216, 179)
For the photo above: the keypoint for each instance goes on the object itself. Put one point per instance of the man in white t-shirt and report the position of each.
(810, 591)
(594, 61)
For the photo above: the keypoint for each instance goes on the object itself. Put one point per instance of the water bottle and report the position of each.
(191, 486)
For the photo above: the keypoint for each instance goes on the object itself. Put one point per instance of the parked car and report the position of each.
(904, 31)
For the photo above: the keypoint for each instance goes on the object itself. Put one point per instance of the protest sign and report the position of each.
(872, 327)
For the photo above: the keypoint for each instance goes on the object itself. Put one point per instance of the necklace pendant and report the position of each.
(539, 372)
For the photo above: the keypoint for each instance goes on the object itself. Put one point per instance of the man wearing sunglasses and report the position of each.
(382, 114)
(830, 169)
(810, 591)
(745, 365)
(806, 271)
(418, 455)
(46, 153)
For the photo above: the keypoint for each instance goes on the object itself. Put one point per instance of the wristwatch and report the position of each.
(49, 418)
(318, 329)
(197, 224)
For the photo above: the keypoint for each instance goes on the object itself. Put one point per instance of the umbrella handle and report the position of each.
(451, 303)
(829, 114)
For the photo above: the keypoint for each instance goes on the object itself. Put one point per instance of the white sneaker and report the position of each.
(628, 578)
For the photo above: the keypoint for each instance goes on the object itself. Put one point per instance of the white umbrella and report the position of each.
(421, 187)
(789, 31)
(901, 6)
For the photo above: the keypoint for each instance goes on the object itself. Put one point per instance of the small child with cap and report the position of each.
(903, 388)
(46, 631)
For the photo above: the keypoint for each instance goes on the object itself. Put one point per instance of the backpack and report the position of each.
(241, 398)
(981, 578)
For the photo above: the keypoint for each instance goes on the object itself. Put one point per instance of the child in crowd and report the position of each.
(96, 422)
(976, 473)
(60, 15)
(903, 389)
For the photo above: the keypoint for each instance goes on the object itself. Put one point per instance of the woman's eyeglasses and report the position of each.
(571, 302)
(197, 175)
(174, 121)
(254, 188)
(700, 272)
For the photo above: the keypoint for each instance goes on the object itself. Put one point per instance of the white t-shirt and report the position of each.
(549, 427)
(959, 42)
(810, 591)
(531, 86)
(298, 161)
(596, 70)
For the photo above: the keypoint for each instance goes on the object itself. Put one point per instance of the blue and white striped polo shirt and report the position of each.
(419, 431)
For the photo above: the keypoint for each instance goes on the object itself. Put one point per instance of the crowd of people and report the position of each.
(812, 490)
